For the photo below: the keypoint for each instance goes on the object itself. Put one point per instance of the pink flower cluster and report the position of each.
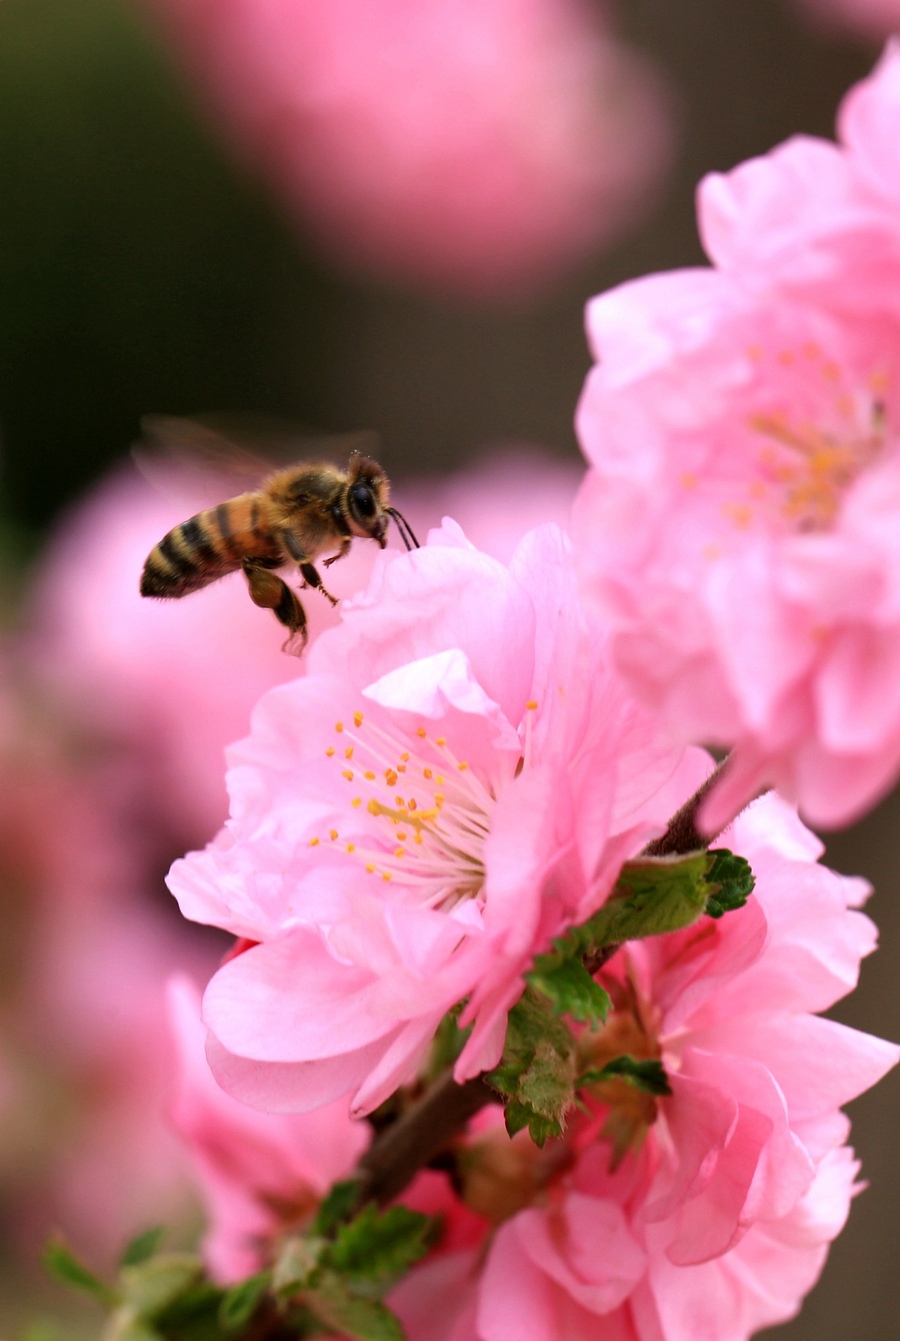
(703, 1215)
(455, 780)
(476, 148)
(471, 754)
(740, 523)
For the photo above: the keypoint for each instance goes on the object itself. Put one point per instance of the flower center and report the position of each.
(431, 811)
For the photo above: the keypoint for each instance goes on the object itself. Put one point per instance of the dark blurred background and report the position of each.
(140, 271)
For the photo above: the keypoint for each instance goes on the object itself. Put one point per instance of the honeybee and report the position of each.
(295, 515)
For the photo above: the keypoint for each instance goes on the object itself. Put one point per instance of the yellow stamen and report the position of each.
(348, 774)
(357, 719)
(330, 751)
(314, 842)
(348, 753)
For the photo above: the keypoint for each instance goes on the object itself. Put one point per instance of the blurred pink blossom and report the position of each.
(875, 18)
(454, 780)
(741, 523)
(703, 1215)
(84, 1144)
(478, 148)
(261, 1173)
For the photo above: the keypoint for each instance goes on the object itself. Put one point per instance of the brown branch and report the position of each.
(396, 1156)
(682, 835)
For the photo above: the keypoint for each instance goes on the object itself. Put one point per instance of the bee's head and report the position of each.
(367, 499)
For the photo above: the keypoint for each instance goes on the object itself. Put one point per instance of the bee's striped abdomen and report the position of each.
(207, 546)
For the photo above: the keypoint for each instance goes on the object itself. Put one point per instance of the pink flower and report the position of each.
(454, 781)
(478, 148)
(741, 523)
(260, 1173)
(703, 1215)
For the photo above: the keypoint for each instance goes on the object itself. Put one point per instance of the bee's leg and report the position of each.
(307, 569)
(312, 579)
(345, 545)
(273, 594)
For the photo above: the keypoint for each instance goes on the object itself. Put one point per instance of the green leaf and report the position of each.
(336, 1207)
(729, 880)
(240, 1302)
(566, 983)
(540, 1129)
(350, 1315)
(380, 1245)
(124, 1326)
(297, 1262)
(61, 1262)
(142, 1246)
(649, 1075)
(537, 1071)
(652, 895)
(154, 1285)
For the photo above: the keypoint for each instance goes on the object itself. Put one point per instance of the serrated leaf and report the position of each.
(336, 1207)
(350, 1315)
(562, 978)
(518, 1117)
(653, 895)
(730, 882)
(61, 1262)
(537, 1071)
(648, 1075)
(154, 1285)
(142, 1246)
(298, 1259)
(239, 1303)
(380, 1245)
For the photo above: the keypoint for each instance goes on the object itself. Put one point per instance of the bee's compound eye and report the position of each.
(362, 500)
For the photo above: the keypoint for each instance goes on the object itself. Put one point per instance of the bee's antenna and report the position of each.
(406, 531)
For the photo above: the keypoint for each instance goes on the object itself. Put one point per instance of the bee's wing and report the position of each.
(224, 455)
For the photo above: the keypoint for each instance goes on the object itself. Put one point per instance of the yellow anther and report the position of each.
(374, 807)
(531, 705)
(351, 847)
(401, 768)
(369, 775)
(439, 778)
(385, 875)
(442, 741)
(399, 802)
(420, 731)
(462, 766)
(347, 773)
(426, 773)
(370, 868)
(412, 803)
(333, 834)
(339, 726)
(330, 751)
(390, 777)
(439, 800)
(314, 842)
(356, 802)
(399, 851)
(401, 837)
(357, 719)
(348, 753)
(417, 838)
